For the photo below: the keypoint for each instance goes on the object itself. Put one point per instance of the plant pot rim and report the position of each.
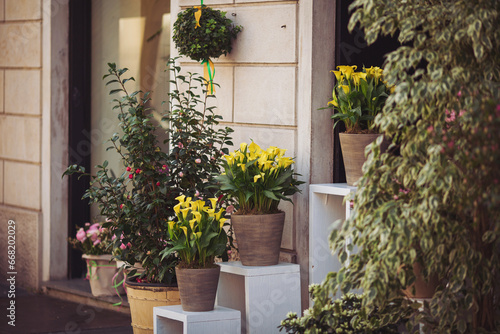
(357, 134)
(258, 214)
(98, 257)
(131, 281)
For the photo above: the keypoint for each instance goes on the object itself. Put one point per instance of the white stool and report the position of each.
(173, 320)
(264, 294)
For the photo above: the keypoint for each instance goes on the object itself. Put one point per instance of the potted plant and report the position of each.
(436, 200)
(95, 243)
(198, 237)
(357, 98)
(257, 181)
(140, 200)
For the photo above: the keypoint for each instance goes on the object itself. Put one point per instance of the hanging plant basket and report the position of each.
(211, 39)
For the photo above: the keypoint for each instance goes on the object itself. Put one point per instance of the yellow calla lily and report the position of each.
(222, 221)
(254, 148)
(243, 167)
(213, 201)
(197, 216)
(185, 212)
(345, 88)
(198, 235)
(180, 198)
(194, 205)
(357, 76)
(184, 228)
(191, 223)
(171, 225)
(338, 75)
(347, 70)
(256, 177)
(243, 147)
(177, 208)
(219, 214)
(211, 212)
(229, 159)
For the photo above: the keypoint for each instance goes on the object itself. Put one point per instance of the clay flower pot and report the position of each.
(197, 288)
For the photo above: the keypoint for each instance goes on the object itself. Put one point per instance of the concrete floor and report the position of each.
(39, 313)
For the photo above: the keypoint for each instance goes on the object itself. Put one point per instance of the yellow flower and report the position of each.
(191, 223)
(181, 198)
(197, 216)
(229, 159)
(171, 225)
(194, 205)
(185, 212)
(281, 153)
(357, 76)
(201, 205)
(285, 162)
(218, 214)
(347, 70)
(243, 146)
(375, 72)
(345, 88)
(211, 212)
(256, 177)
(334, 102)
(177, 208)
(198, 235)
(184, 228)
(187, 202)
(214, 202)
(221, 222)
(243, 167)
(338, 75)
(254, 148)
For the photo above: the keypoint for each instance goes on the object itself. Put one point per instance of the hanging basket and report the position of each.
(210, 39)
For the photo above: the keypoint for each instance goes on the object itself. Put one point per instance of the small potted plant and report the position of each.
(94, 241)
(357, 99)
(257, 180)
(198, 237)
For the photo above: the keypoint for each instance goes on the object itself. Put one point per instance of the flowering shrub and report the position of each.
(358, 97)
(140, 201)
(198, 235)
(93, 239)
(257, 180)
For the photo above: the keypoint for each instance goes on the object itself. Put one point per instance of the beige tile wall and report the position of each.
(18, 85)
(22, 185)
(20, 44)
(2, 11)
(23, 10)
(20, 138)
(1, 90)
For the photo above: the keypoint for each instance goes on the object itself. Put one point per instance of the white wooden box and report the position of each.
(173, 320)
(263, 294)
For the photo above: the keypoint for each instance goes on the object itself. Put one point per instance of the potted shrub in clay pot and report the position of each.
(198, 237)
(357, 98)
(257, 180)
(95, 243)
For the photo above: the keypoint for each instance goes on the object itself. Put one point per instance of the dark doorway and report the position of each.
(352, 49)
(79, 122)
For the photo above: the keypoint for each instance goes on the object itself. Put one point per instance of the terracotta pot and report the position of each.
(259, 238)
(423, 289)
(143, 297)
(353, 151)
(103, 275)
(197, 288)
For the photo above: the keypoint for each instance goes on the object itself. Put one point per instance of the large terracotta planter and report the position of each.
(259, 238)
(353, 151)
(143, 297)
(423, 289)
(197, 288)
(103, 275)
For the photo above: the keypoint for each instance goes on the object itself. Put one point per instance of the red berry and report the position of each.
(129, 169)
(131, 176)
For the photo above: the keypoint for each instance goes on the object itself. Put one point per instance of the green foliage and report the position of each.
(198, 235)
(436, 201)
(257, 180)
(211, 39)
(139, 202)
(358, 97)
(197, 142)
(342, 316)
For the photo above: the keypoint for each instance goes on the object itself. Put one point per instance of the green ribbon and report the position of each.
(209, 73)
(91, 264)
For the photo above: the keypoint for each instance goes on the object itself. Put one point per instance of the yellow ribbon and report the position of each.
(209, 73)
(197, 16)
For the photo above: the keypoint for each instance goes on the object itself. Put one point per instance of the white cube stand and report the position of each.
(263, 294)
(173, 320)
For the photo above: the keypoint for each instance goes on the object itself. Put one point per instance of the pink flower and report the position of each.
(131, 176)
(459, 93)
(158, 183)
(498, 107)
(97, 242)
(121, 206)
(93, 234)
(450, 116)
(396, 197)
(229, 251)
(129, 244)
(450, 144)
(138, 171)
(164, 167)
(430, 129)
(87, 224)
(81, 235)
(180, 145)
(230, 209)
(197, 193)
(198, 161)
(113, 237)
(181, 174)
(129, 169)
(123, 247)
(95, 226)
